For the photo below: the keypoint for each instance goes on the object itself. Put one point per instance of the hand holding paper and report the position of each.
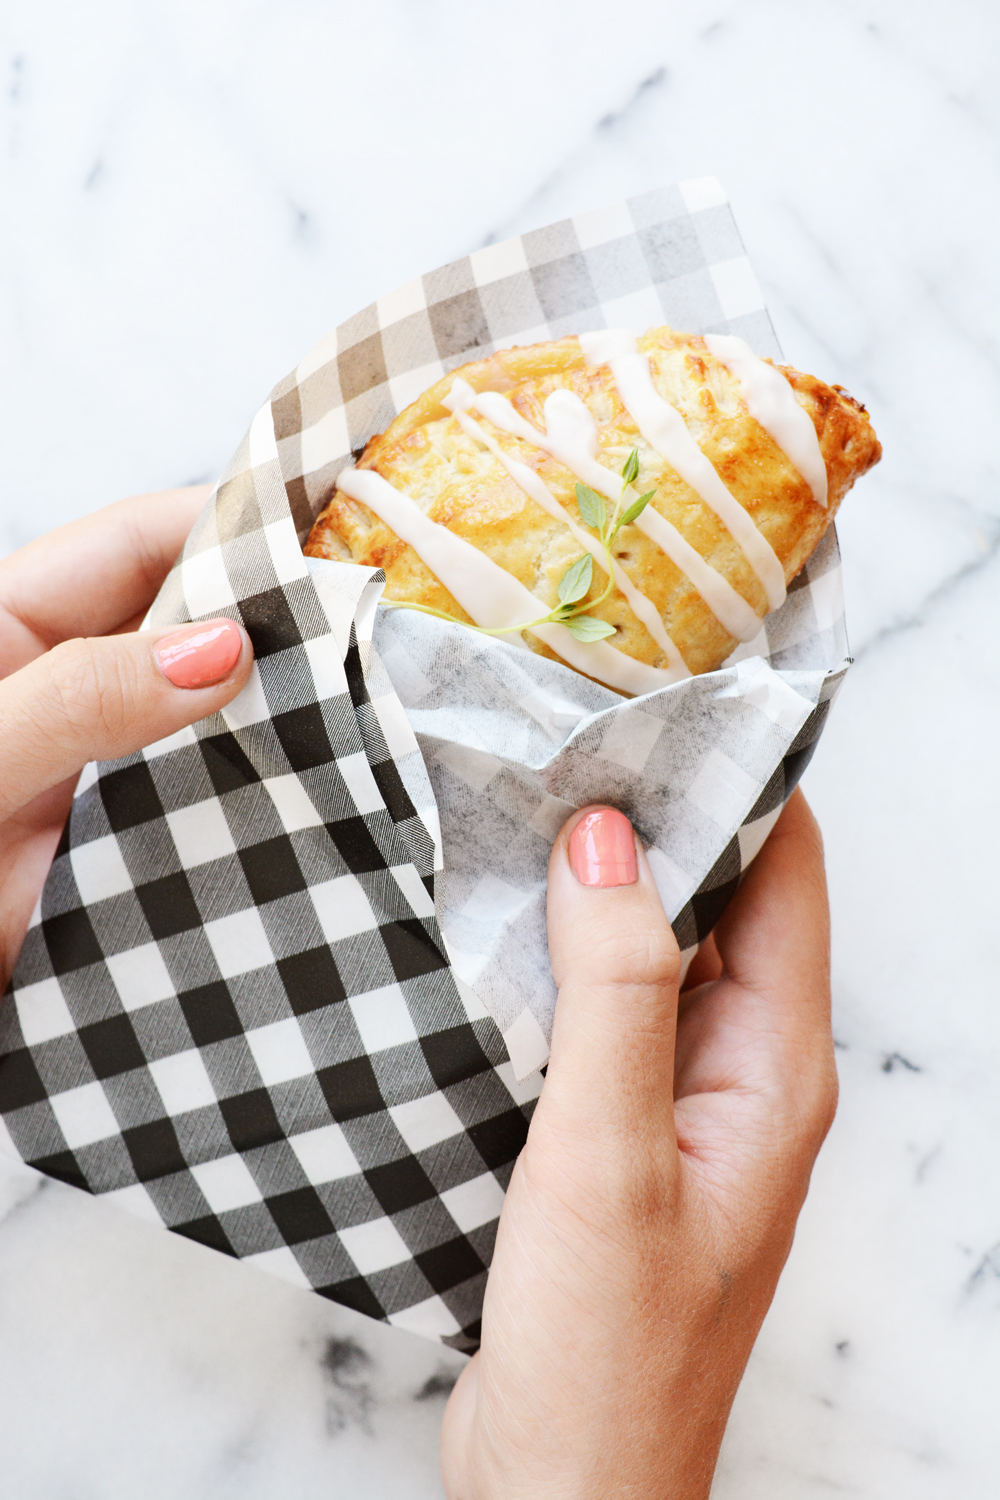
(645, 1226)
(80, 683)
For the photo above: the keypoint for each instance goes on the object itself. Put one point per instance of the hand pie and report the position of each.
(469, 500)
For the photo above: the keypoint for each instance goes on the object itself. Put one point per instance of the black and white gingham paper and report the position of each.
(234, 1013)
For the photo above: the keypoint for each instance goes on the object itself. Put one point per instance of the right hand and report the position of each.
(653, 1206)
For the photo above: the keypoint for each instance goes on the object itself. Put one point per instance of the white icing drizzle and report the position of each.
(571, 438)
(489, 595)
(458, 401)
(771, 401)
(665, 430)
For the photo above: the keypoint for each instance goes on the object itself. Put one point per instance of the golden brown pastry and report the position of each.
(747, 462)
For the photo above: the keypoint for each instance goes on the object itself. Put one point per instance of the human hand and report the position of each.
(81, 683)
(645, 1227)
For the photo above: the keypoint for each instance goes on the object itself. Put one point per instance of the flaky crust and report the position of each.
(461, 485)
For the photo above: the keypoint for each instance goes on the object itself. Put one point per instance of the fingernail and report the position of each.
(200, 654)
(602, 849)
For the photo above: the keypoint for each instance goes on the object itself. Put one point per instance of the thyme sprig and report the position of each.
(574, 585)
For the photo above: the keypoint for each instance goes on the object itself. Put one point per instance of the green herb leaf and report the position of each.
(635, 509)
(592, 507)
(576, 580)
(631, 468)
(587, 628)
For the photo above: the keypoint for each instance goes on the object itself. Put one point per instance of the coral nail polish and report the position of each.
(200, 654)
(602, 849)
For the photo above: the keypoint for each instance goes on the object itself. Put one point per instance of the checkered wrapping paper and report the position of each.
(513, 743)
(266, 999)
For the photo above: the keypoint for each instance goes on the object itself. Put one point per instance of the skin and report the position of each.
(645, 1228)
(80, 681)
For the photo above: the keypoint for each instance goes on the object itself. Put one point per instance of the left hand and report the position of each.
(81, 683)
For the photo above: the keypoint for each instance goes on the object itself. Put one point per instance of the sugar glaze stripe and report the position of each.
(458, 401)
(570, 437)
(771, 401)
(666, 432)
(490, 595)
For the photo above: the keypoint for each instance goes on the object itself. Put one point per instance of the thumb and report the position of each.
(617, 965)
(100, 698)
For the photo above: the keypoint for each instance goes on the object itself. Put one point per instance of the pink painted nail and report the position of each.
(602, 849)
(199, 655)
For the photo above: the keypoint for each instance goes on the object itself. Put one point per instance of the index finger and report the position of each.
(774, 937)
(94, 575)
(763, 1028)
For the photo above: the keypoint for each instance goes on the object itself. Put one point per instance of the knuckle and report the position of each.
(93, 688)
(824, 1102)
(606, 1185)
(643, 960)
(815, 1102)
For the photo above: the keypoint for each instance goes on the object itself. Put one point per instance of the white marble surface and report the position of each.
(192, 193)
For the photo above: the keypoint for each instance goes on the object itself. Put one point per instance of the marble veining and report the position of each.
(190, 201)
